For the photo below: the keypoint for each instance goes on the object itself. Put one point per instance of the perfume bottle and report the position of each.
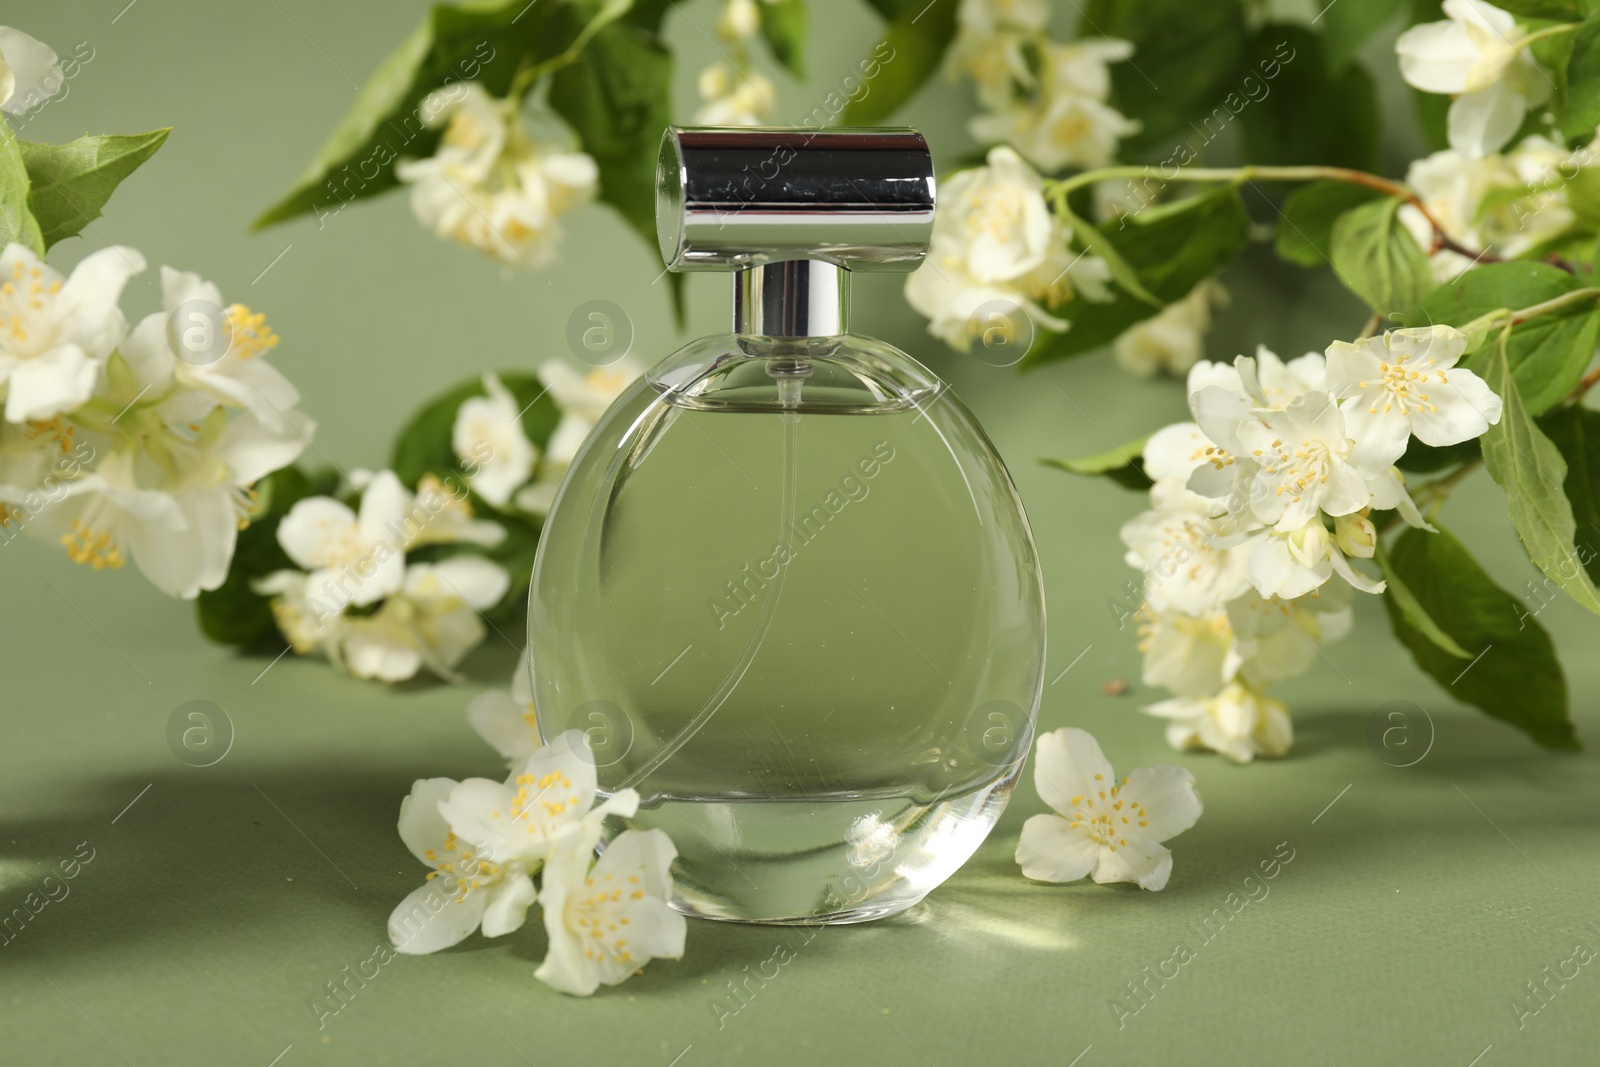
(787, 587)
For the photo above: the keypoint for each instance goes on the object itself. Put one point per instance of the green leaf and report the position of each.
(1560, 10)
(1575, 431)
(617, 97)
(1305, 225)
(1582, 112)
(1347, 25)
(1547, 354)
(912, 49)
(483, 42)
(1403, 601)
(1583, 196)
(1276, 130)
(1531, 471)
(1123, 464)
(783, 25)
(234, 613)
(1094, 243)
(1424, 459)
(16, 221)
(1515, 676)
(1377, 259)
(71, 182)
(1171, 248)
(424, 445)
(1188, 56)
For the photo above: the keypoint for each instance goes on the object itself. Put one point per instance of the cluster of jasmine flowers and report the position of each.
(137, 444)
(1045, 98)
(1260, 509)
(734, 93)
(486, 841)
(354, 596)
(997, 247)
(492, 184)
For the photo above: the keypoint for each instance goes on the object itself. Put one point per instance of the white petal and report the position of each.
(1274, 572)
(421, 826)
(35, 72)
(1049, 850)
(1139, 860)
(1170, 801)
(1069, 763)
(253, 451)
(377, 651)
(384, 504)
(1353, 576)
(1345, 491)
(1350, 364)
(317, 532)
(1459, 409)
(507, 908)
(477, 581)
(431, 919)
(1481, 122)
(148, 354)
(506, 724)
(179, 286)
(1219, 413)
(88, 299)
(1378, 437)
(1436, 57)
(51, 383)
(1175, 451)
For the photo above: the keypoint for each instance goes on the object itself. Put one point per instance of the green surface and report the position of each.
(219, 903)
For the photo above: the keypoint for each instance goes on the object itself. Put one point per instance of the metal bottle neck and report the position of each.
(795, 298)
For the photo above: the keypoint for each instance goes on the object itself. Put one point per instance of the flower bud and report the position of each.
(1355, 535)
(1308, 546)
(740, 20)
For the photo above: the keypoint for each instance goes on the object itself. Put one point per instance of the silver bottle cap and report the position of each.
(729, 198)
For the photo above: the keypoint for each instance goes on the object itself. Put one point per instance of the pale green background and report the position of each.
(220, 902)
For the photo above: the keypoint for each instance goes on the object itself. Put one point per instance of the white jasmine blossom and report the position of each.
(491, 185)
(235, 373)
(1479, 55)
(1111, 830)
(352, 559)
(1065, 121)
(1505, 204)
(174, 498)
(605, 922)
(1174, 339)
(1187, 654)
(55, 332)
(1304, 463)
(1289, 562)
(30, 73)
(490, 443)
(740, 20)
(1276, 639)
(1237, 722)
(433, 620)
(1406, 383)
(1175, 545)
(485, 840)
(997, 242)
(735, 98)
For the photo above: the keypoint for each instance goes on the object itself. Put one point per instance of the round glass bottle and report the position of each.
(789, 591)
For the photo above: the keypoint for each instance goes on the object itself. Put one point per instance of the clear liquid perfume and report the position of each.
(787, 586)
